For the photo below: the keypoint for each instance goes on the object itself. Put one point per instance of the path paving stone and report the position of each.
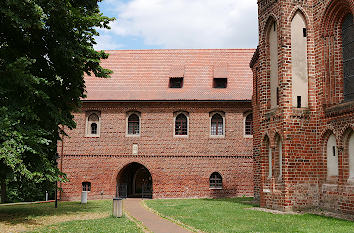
(134, 207)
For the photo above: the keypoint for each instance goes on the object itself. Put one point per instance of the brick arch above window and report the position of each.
(337, 64)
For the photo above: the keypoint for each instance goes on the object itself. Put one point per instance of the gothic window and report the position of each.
(332, 157)
(93, 125)
(348, 57)
(181, 124)
(280, 157)
(86, 186)
(351, 156)
(215, 181)
(299, 61)
(217, 125)
(270, 161)
(273, 63)
(133, 124)
(249, 124)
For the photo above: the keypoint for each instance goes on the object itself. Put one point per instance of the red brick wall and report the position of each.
(303, 131)
(180, 167)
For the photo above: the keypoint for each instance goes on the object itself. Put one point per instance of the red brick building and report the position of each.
(303, 105)
(167, 124)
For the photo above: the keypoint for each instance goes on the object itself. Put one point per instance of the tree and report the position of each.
(45, 48)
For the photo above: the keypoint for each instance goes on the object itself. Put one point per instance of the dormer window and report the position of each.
(176, 82)
(220, 83)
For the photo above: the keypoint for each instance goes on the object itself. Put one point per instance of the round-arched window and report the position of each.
(215, 180)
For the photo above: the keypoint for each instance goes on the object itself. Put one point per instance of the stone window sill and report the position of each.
(215, 188)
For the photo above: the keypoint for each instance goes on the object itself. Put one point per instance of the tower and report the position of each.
(303, 104)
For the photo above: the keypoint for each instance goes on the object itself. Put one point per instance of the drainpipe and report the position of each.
(61, 160)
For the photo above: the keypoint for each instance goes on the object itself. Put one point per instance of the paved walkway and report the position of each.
(134, 207)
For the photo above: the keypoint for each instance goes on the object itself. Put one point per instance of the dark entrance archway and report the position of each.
(134, 180)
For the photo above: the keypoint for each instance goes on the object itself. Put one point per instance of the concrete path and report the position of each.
(134, 207)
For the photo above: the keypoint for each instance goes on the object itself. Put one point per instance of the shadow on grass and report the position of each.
(239, 200)
(17, 214)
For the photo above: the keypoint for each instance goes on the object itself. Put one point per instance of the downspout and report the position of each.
(61, 160)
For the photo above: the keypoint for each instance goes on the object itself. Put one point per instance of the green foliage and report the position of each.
(234, 215)
(45, 48)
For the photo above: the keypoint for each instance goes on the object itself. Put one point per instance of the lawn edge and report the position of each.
(137, 222)
(188, 227)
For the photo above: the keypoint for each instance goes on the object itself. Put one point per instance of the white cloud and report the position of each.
(106, 42)
(188, 23)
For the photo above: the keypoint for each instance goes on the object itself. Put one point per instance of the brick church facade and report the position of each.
(303, 105)
(167, 124)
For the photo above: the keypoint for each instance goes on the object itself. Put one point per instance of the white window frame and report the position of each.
(127, 124)
(244, 125)
(175, 114)
(222, 114)
(88, 125)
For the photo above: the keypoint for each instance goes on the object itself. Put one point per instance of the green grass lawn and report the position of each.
(95, 216)
(232, 215)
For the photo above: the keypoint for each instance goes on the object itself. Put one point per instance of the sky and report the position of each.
(179, 24)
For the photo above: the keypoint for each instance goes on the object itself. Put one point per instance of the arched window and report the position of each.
(217, 125)
(272, 41)
(249, 124)
(215, 180)
(280, 157)
(332, 157)
(133, 124)
(351, 156)
(270, 161)
(348, 57)
(86, 186)
(93, 126)
(299, 61)
(181, 124)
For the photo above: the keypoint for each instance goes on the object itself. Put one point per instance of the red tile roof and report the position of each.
(143, 75)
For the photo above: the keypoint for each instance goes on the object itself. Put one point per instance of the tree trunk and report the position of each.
(3, 191)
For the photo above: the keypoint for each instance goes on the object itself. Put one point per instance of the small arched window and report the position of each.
(181, 124)
(133, 124)
(217, 125)
(215, 181)
(86, 186)
(348, 57)
(270, 161)
(351, 156)
(93, 126)
(332, 157)
(249, 124)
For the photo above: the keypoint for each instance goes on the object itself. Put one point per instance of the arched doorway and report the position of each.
(134, 180)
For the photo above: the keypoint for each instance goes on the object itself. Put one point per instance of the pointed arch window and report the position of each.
(217, 125)
(332, 157)
(133, 124)
(181, 124)
(93, 124)
(348, 57)
(215, 181)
